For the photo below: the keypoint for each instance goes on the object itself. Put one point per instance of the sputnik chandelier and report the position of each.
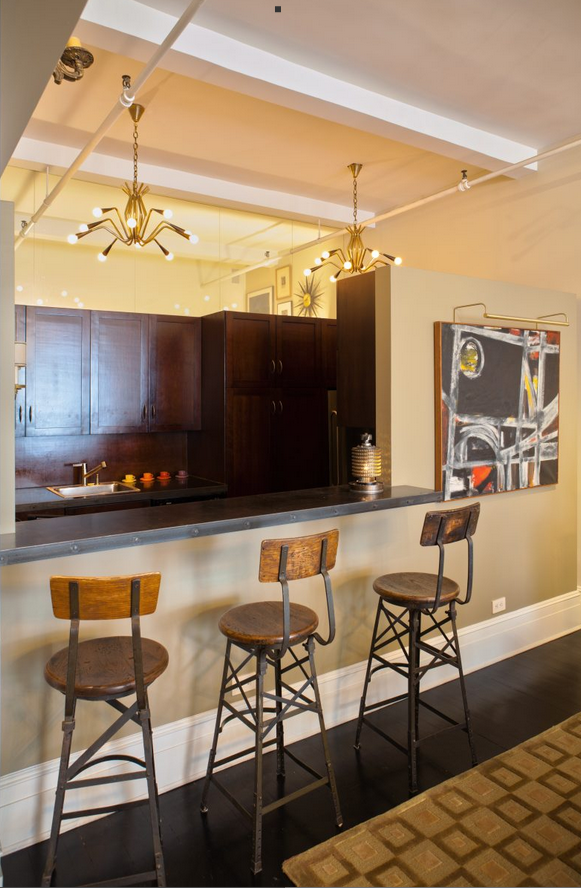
(131, 225)
(357, 258)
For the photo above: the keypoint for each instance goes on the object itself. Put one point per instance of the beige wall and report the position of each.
(6, 367)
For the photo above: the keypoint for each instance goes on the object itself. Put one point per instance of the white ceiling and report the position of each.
(264, 110)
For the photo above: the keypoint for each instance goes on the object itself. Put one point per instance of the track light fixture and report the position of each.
(357, 258)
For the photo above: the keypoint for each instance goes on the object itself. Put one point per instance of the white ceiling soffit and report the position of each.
(25, 34)
(187, 185)
(206, 55)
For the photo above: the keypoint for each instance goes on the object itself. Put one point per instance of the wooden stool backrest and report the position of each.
(449, 525)
(104, 598)
(303, 556)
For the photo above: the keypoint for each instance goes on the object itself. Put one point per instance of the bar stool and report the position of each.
(106, 669)
(421, 595)
(266, 631)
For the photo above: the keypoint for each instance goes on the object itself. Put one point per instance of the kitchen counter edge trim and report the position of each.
(19, 547)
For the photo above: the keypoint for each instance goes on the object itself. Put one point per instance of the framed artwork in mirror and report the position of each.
(283, 282)
(260, 301)
(285, 308)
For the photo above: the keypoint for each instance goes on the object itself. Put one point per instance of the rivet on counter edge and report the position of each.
(74, 548)
(247, 523)
(292, 517)
(135, 539)
(195, 531)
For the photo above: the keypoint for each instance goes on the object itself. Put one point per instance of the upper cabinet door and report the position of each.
(329, 352)
(119, 372)
(174, 373)
(57, 372)
(250, 349)
(298, 346)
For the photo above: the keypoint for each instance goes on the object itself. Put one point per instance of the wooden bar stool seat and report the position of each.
(105, 667)
(267, 631)
(415, 590)
(262, 624)
(407, 611)
(104, 670)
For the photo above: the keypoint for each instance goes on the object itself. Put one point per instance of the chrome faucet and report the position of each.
(89, 474)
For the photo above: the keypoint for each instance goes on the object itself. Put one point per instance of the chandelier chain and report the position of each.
(355, 201)
(135, 154)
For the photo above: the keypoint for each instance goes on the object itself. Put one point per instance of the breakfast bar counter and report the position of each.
(56, 537)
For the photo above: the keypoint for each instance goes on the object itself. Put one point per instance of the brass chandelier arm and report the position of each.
(102, 225)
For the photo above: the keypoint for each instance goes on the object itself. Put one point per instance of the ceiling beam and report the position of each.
(203, 54)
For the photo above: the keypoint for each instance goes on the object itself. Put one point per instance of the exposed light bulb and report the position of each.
(325, 254)
(40, 301)
(375, 254)
(84, 227)
(307, 272)
(186, 311)
(131, 222)
(332, 278)
(19, 288)
(234, 305)
(101, 257)
(137, 246)
(97, 212)
(72, 238)
(76, 299)
(193, 238)
(397, 260)
(318, 261)
(167, 214)
(169, 257)
(206, 298)
(64, 292)
(347, 265)
(81, 305)
(226, 308)
(176, 305)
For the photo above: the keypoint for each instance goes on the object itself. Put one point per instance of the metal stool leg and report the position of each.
(363, 701)
(279, 726)
(417, 701)
(413, 695)
(154, 813)
(452, 612)
(68, 728)
(310, 645)
(217, 729)
(256, 863)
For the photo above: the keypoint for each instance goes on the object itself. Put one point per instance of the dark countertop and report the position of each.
(36, 499)
(37, 540)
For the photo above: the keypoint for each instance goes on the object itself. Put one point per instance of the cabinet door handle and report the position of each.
(273, 407)
(280, 407)
(280, 366)
(144, 413)
(153, 411)
(30, 413)
(272, 366)
(20, 413)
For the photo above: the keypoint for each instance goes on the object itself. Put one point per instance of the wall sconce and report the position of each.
(366, 466)
(19, 366)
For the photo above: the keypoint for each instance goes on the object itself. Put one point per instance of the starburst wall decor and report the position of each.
(310, 297)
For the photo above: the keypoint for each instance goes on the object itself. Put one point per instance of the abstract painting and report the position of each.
(497, 409)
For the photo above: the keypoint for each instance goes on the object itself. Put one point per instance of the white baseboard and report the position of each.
(181, 748)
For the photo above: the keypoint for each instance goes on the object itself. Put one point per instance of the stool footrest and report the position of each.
(236, 755)
(104, 809)
(437, 712)
(316, 784)
(369, 707)
(136, 879)
(384, 735)
(233, 799)
(302, 764)
(100, 781)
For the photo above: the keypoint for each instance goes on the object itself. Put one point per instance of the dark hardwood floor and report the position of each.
(510, 702)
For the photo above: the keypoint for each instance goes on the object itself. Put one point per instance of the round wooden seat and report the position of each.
(415, 590)
(261, 624)
(105, 667)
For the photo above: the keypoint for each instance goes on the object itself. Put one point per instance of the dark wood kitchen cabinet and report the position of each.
(20, 395)
(264, 403)
(145, 374)
(174, 373)
(119, 372)
(57, 371)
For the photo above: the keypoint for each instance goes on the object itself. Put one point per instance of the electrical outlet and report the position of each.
(498, 605)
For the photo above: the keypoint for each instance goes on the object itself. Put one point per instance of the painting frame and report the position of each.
(285, 308)
(260, 301)
(497, 404)
(284, 282)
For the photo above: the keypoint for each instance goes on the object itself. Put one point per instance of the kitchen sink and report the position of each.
(74, 491)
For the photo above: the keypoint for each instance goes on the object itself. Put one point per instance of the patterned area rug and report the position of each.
(513, 820)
